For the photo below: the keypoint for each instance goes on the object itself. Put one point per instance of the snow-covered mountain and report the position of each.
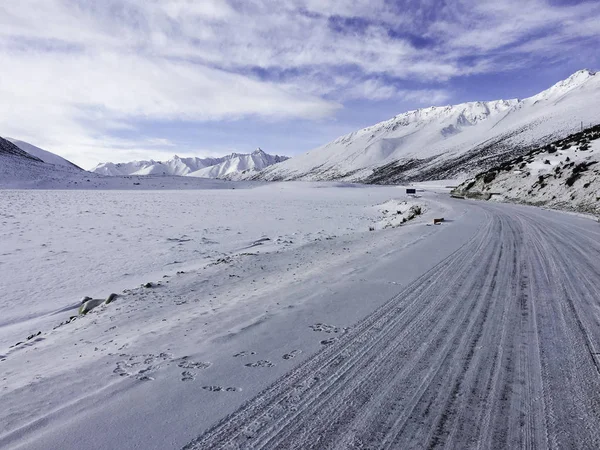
(236, 165)
(9, 151)
(19, 168)
(174, 166)
(44, 155)
(225, 167)
(450, 141)
(564, 174)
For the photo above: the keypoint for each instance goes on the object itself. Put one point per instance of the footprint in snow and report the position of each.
(145, 378)
(143, 366)
(292, 354)
(187, 376)
(260, 363)
(325, 328)
(243, 353)
(121, 371)
(193, 365)
(221, 389)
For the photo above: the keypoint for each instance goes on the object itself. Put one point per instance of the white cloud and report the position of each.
(77, 71)
(427, 97)
(376, 89)
(206, 9)
(125, 151)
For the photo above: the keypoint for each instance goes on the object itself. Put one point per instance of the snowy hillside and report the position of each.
(236, 166)
(44, 155)
(21, 169)
(564, 174)
(10, 152)
(450, 141)
(225, 167)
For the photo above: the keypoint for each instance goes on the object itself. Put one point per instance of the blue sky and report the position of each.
(138, 79)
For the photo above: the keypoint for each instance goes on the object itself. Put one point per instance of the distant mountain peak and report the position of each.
(223, 167)
(240, 165)
(584, 72)
(575, 81)
(581, 76)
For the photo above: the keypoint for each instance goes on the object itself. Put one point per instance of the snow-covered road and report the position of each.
(483, 332)
(497, 346)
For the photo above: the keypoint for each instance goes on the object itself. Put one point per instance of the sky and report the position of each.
(98, 81)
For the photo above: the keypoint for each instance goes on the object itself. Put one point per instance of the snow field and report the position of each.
(247, 300)
(76, 243)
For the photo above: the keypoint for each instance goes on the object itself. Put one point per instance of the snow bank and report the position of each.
(395, 213)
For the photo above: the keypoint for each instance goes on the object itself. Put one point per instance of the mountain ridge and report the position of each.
(239, 165)
(448, 141)
(8, 149)
(227, 167)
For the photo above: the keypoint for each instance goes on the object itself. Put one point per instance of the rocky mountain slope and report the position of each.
(9, 151)
(19, 168)
(44, 155)
(564, 174)
(450, 141)
(229, 166)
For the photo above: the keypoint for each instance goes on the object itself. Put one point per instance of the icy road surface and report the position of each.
(482, 332)
(495, 347)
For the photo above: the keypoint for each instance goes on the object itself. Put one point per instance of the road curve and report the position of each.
(498, 346)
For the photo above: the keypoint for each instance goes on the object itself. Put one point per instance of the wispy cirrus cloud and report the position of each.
(78, 72)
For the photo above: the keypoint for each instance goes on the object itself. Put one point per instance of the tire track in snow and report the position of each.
(570, 332)
(493, 348)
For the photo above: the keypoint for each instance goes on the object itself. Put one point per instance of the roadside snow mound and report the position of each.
(562, 175)
(397, 212)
